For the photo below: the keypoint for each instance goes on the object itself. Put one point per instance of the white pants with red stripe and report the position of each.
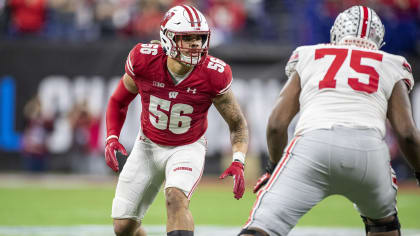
(350, 162)
(147, 166)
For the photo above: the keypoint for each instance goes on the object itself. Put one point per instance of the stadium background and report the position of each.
(61, 59)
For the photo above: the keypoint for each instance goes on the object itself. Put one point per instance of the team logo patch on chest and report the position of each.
(173, 94)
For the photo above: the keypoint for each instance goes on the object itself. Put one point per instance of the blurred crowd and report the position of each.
(94, 19)
(400, 17)
(291, 22)
(86, 152)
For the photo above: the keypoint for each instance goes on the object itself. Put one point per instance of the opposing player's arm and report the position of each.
(229, 108)
(401, 118)
(286, 107)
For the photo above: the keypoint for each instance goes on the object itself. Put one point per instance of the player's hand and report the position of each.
(417, 174)
(112, 146)
(261, 182)
(265, 177)
(236, 169)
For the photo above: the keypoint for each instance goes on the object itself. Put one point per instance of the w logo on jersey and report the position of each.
(173, 94)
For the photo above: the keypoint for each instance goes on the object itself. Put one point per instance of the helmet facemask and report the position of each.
(186, 54)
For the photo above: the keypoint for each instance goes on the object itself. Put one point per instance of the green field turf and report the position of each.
(31, 205)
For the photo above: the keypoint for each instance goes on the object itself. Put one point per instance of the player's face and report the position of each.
(190, 45)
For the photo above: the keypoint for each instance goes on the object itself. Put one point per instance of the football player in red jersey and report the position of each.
(177, 81)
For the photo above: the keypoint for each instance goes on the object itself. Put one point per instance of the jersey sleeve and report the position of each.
(291, 64)
(406, 74)
(221, 74)
(399, 69)
(133, 62)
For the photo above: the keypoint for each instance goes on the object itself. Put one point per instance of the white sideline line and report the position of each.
(201, 230)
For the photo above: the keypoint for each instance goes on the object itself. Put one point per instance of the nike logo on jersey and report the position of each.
(190, 90)
(173, 94)
(158, 84)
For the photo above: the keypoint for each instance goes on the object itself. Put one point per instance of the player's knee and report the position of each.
(175, 199)
(381, 226)
(252, 231)
(125, 227)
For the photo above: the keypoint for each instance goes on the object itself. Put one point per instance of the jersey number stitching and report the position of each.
(216, 64)
(355, 63)
(178, 124)
(149, 49)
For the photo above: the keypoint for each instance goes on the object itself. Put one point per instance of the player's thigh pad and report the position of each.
(139, 181)
(298, 183)
(185, 167)
(375, 198)
(360, 170)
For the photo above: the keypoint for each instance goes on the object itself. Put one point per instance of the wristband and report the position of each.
(239, 156)
(111, 137)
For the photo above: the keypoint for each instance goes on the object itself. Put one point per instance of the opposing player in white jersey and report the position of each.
(178, 82)
(344, 91)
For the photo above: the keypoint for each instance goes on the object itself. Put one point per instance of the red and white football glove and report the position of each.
(111, 148)
(236, 169)
(265, 177)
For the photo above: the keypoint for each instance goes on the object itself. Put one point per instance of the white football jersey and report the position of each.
(345, 85)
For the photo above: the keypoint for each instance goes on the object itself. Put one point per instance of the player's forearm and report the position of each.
(277, 126)
(276, 142)
(410, 147)
(239, 136)
(115, 117)
(287, 106)
(231, 112)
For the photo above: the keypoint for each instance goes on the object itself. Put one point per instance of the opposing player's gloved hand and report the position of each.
(112, 146)
(417, 177)
(265, 177)
(261, 182)
(236, 169)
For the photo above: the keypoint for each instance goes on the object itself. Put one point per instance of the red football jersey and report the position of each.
(175, 114)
